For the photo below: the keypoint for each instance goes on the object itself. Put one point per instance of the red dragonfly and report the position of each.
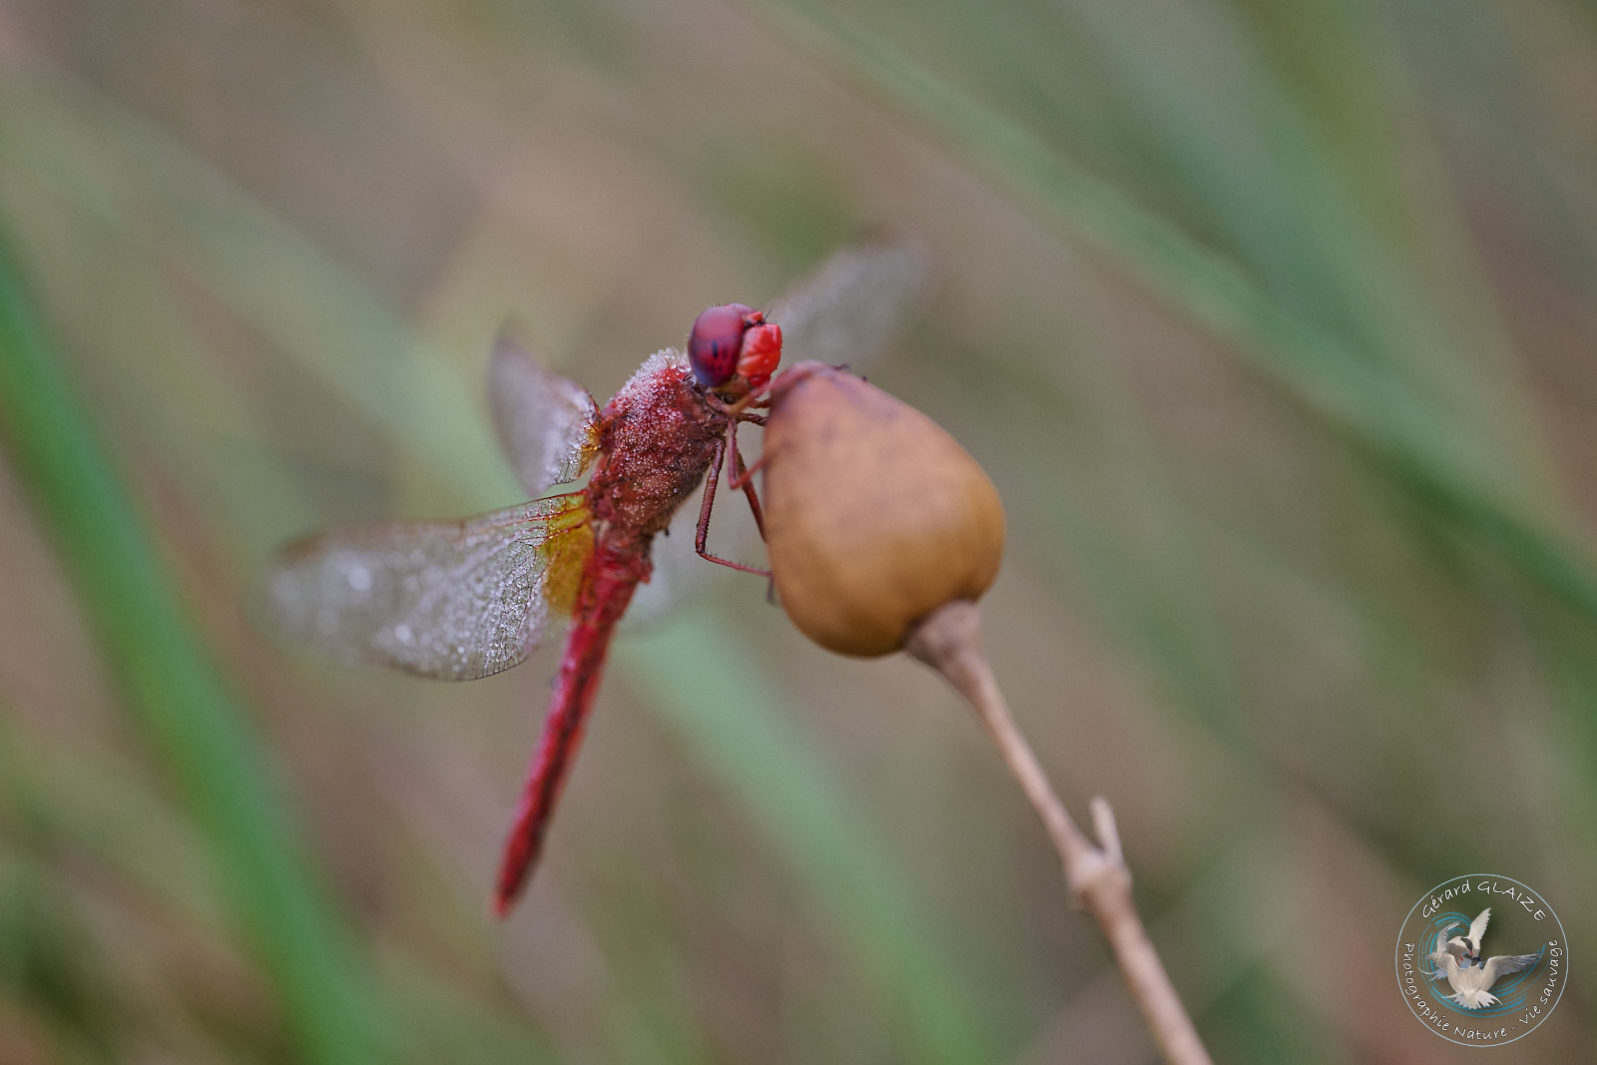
(464, 599)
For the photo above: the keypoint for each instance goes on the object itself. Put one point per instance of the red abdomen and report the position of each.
(607, 588)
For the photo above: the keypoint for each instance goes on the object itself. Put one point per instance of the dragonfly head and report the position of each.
(734, 346)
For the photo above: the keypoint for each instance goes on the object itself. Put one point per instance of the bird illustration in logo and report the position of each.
(1458, 959)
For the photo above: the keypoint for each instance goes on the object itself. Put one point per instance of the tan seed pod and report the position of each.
(874, 515)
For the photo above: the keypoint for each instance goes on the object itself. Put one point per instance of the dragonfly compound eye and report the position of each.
(715, 343)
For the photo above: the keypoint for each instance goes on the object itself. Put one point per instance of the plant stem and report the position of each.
(950, 642)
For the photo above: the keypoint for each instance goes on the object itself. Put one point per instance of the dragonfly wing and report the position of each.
(548, 424)
(676, 570)
(455, 600)
(850, 307)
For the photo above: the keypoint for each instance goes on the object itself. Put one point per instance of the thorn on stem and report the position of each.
(1103, 826)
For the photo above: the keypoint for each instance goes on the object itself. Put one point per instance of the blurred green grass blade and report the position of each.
(792, 794)
(180, 703)
(46, 964)
(1398, 429)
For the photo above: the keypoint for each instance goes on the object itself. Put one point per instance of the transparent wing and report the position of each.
(455, 600)
(547, 423)
(678, 571)
(849, 308)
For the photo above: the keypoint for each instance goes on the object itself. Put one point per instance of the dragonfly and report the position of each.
(463, 599)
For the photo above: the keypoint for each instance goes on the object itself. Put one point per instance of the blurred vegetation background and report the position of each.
(1272, 320)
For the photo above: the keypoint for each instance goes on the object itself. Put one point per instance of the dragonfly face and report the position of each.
(732, 341)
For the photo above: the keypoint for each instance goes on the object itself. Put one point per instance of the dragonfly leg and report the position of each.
(744, 482)
(702, 536)
(743, 479)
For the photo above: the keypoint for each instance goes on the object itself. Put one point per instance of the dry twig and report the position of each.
(949, 641)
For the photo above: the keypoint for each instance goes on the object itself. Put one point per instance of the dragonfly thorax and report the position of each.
(658, 436)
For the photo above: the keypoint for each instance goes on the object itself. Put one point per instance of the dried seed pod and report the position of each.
(874, 516)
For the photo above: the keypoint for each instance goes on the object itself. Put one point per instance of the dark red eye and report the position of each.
(715, 343)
